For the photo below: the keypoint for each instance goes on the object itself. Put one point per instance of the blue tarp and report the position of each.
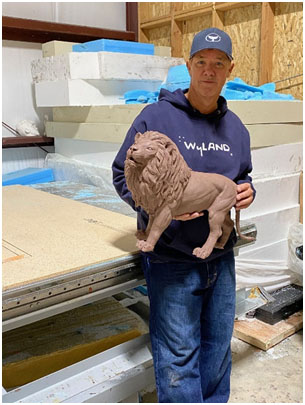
(31, 175)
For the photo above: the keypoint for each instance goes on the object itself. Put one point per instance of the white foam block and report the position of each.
(272, 226)
(270, 135)
(120, 114)
(274, 251)
(290, 112)
(54, 48)
(103, 65)
(263, 135)
(73, 65)
(277, 160)
(86, 92)
(105, 132)
(274, 194)
(267, 111)
(114, 65)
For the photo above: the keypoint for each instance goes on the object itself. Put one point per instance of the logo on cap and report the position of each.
(213, 37)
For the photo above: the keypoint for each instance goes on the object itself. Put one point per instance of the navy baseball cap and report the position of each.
(212, 38)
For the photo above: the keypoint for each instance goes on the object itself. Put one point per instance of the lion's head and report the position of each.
(155, 171)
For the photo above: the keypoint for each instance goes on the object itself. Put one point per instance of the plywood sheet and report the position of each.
(59, 235)
(243, 26)
(288, 48)
(263, 335)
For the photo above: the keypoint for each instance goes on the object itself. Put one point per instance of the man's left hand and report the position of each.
(244, 196)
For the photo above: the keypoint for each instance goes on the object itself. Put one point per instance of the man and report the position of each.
(192, 301)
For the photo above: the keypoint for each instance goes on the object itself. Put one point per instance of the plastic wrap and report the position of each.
(270, 274)
(295, 239)
(79, 172)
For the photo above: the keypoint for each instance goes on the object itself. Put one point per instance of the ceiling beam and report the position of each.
(21, 29)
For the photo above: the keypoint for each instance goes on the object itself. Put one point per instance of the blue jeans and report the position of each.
(192, 309)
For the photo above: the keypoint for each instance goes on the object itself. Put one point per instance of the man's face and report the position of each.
(209, 70)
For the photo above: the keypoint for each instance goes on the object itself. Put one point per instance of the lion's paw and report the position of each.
(202, 252)
(219, 245)
(144, 246)
(141, 235)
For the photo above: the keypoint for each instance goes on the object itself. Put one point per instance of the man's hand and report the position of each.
(187, 217)
(244, 196)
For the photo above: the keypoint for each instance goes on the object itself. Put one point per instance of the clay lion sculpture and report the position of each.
(161, 182)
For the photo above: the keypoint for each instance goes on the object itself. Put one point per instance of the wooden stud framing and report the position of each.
(176, 34)
(217, 18)
(267, 34)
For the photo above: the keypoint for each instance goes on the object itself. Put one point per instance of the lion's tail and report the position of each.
(237, 220)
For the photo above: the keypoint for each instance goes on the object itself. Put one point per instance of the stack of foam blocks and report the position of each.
(90, 121)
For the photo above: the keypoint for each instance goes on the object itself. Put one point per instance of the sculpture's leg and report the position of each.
(143, 235)
(227, 227)
(160, 222)
(216, 220)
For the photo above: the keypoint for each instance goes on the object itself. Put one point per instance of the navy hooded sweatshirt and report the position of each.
(212, 143)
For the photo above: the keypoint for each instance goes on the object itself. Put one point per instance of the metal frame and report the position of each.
(22, 306)
(108, 377)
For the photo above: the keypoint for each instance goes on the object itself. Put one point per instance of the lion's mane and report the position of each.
(164, 178)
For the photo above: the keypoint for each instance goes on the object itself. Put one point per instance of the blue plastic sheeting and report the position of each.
(30, 175)
(141, 97)
(178, 78)
(112, 45)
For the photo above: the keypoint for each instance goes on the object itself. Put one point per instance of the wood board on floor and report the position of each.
(265, 336)
(59, 235)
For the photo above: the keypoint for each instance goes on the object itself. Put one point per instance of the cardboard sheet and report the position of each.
(58, 235)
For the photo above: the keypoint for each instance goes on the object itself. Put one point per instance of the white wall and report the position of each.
(18, 100)
(110, 15)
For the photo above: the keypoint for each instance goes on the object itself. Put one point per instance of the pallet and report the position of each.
(265, 336)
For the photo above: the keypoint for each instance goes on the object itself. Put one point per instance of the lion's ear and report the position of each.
(137, 136)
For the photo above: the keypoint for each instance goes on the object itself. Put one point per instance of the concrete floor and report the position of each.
(274, 376)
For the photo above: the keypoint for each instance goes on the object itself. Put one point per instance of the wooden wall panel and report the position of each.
(160, 36)
(243, 26)
(190, 28)
(152, 10)
(267, 37)
(288, 46)
(185, 6)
